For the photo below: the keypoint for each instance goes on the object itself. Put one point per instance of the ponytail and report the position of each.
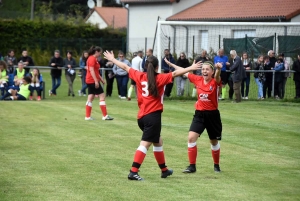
(151, 64)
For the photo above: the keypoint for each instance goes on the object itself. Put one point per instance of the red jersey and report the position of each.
(146, 102)
(207, 93)
(92, 62)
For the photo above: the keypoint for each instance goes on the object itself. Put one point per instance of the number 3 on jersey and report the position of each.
(145, 89)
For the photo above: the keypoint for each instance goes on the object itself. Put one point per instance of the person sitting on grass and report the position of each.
(22, 94)
(36, 81)
(3, 77)
(19, 74)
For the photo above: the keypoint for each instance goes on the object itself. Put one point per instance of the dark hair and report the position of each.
(94, 49)
(140, 52)
(3, 63)
(27, 79)
(151, 64)
(281, 60)
(37, 71)
(121, 52)
(82, 56)
(266, 57)
(9, 51)
(69, 52)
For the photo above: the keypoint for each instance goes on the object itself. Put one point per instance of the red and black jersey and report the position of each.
(92, 62)
(146, 102)
(207, 93)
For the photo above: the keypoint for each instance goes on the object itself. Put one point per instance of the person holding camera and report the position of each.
(70, 73)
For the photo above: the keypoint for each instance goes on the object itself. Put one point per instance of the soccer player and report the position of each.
(150, 87)
(207, 115)
(93, 80)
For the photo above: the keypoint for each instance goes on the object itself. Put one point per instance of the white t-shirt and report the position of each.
(136, 63)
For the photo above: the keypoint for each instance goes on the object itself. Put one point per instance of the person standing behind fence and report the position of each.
(267, 88)
(136, 65)
(181, 80)
(70, 73)
(110, 78)
(260, 76)
(93, 80)
(11, 61)
(279, 66)
(27, 61)
(247, 66)
(239, 74)
(149, 53)
(56, 63)
(272, 58)
(202, 57)
(82, 65)
(221, 58)
(122, 75)
(285, 75)
(296, 68)
(165, 68)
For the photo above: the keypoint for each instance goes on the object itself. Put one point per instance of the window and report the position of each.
(204, 40)
(243, 33)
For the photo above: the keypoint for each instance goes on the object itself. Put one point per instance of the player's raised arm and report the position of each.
(180, 71)
(110, 56)
(218, 72)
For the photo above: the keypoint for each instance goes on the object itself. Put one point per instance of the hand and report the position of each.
(167, 61)
(227, 63)
(69, 66)
(109, 55)
(196, 66)
(218, 66)
(53, 64)
(96, 85)
(86, 68)
(103, 81)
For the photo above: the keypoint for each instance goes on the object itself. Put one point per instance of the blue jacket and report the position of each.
(279, 75)
(223, 60)
(165, 67)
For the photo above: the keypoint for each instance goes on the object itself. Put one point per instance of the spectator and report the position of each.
(19, 74)
(70, 73)
(267, 88)
(3, 77)
(110, 77)
(230, 82)
(136, 64)
(121, 75)
(285, 75)
(247, 66)
(272, 58)
(202, 57)
(56, 63)
(22, 94)
(11, 61)
(260, 76)
(180, 80)
(279, 66)
(27, 61)
(149, 53)
(296, 68)
(36, 83)
(167, 69)
(82, 65)
(239, 74)
(221, 58)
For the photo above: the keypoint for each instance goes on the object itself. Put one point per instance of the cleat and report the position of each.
(166, 173)
(189, 169)
(107, 118)
(88, 118)
(217, 168)
(134, 176)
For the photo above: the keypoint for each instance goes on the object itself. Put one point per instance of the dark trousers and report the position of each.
(247, 82)
(297, 87)
(56, 80)
(122, 84)
(168, 89)
(109, 83)
(231, 91)
(283, 86)
(278, 89)
(267, 87)
(37, 89)
(83, 84)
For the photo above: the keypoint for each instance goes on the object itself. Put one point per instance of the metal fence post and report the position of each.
(273, 84)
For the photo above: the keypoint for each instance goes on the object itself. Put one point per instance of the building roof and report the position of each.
(115, 17)
(146, 1)
(236, 10)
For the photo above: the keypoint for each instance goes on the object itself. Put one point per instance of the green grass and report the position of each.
(48, 152)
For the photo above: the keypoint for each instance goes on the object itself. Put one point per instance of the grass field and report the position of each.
(48, 152)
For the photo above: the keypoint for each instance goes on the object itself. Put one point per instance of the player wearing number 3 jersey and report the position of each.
(150, 87)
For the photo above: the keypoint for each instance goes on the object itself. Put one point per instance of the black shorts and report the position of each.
(209, 120)
(133, 82)
(151, 126)
(20, 97)
(224, 77)
(92, 89)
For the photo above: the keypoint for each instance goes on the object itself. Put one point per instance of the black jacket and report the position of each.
(59, 62)
(67, 62)
(238, 70)
(296, 67)
(272, 61)
(269, 75)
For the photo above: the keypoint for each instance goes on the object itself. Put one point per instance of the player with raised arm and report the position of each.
(207, 115)
(150, 88)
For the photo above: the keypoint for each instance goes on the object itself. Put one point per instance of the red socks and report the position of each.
(88, 109)
(215, 152)
(103, 107)
(160, 157)
(192, 152)
(139, 157)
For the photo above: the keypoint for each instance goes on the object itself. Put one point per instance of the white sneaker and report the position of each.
(88, 118)
(107, 118)
(79, 93)
(246, 98)
(123, 97)
(50, 92)
(243, 97)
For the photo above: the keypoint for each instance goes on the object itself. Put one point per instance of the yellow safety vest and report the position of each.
(3, 76)
(24, 90)
(20, 74)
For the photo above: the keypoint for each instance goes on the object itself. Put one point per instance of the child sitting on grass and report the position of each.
(22, 94)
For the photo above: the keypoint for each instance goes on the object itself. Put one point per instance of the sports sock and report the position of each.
(130, 91)
(223, 92)
(88, 109)
(139, 157)
(215, 152)
(103, 107)
(160, 157)
(192, 152)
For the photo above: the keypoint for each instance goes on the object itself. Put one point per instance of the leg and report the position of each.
(237, 91)
(69, 81)
(124, 86)
(160, 158)
(247, 85)
(58, 82)
(72, 81)
(260, 89)
(297, 86)
(53, 84)
(178, 80)
(192, 152)
(182, 85)
(230, 84)
(283, 86)
(242, 87)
